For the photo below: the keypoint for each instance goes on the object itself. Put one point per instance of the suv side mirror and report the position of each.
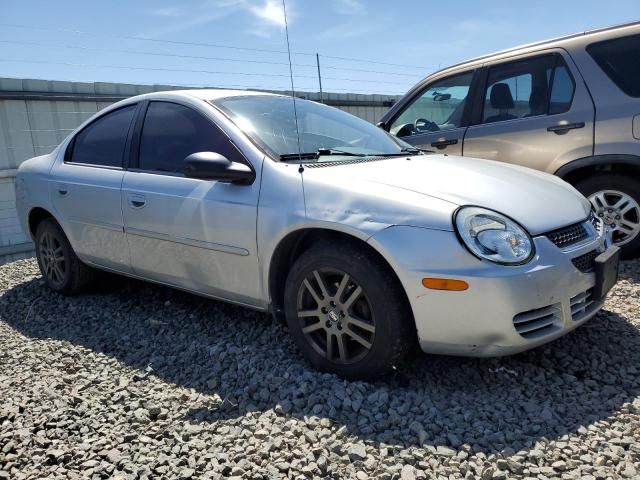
(213, 166)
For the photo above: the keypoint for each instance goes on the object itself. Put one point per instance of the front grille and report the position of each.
(582, 305)
(538, 322)
(584, 263)
(567, 236)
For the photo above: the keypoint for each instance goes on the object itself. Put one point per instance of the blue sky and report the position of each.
(184, 41)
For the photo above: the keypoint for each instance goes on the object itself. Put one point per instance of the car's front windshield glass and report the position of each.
(270, 122)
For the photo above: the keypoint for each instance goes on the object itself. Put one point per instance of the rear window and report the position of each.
(620, 60)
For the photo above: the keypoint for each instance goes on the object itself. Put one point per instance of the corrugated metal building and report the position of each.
(36, 115)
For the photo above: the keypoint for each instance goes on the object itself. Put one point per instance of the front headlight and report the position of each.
(492, 236)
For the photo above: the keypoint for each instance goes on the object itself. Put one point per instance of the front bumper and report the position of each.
(506, 309)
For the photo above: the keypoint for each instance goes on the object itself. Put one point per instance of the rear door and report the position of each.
(85, 189)
(534, 110)
(434, 119)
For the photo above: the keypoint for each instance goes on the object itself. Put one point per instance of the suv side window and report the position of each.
(102, 142)
(527, 88)
(171, 132)
(439, 107)
(620, 60)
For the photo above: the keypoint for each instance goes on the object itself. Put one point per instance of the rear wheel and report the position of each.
(61, 269)
(347, 313)
(616, 200)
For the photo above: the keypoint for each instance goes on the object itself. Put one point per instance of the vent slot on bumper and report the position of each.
(584, 263)
(582, 305)
(538, 322)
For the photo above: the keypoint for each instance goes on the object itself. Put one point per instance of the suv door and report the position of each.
(192, 233)
(435, 116)
(85, 190)
(534, 111)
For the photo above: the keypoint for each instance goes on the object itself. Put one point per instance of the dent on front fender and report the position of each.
(357, 205)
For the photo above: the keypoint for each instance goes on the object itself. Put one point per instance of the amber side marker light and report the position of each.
(445, 284)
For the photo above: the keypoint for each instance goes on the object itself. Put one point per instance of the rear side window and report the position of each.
(620, 60)
(171, 132)
(528, 88)
(103, 141)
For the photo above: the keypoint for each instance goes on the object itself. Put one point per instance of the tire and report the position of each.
(604, 191)
(60, 267)
(370, 333)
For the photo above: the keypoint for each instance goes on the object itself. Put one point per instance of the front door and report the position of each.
(85, 190)
(191, 233)
(433, 120)
(534, 113)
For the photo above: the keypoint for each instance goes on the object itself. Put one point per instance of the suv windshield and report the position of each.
(270, 122)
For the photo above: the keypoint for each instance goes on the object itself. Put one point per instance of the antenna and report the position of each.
(293, 91)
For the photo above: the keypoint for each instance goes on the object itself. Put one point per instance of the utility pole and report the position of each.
(319, 77)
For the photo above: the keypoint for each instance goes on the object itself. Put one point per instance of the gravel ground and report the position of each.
(141, 381)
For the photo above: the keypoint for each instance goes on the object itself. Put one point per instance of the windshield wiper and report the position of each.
(335, 151)
(321, 152)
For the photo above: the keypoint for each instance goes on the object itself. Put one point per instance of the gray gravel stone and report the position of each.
(135, 381)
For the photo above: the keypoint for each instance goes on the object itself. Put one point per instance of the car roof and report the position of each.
(632, 27)
(207, 93)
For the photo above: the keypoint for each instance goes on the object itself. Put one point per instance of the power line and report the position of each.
(183, 70)
(200, 57)
(200, 44)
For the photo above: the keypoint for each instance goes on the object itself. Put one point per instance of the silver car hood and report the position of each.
(425, 190)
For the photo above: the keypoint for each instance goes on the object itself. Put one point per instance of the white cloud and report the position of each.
(266, 15)
(271, 12)
(349, 7)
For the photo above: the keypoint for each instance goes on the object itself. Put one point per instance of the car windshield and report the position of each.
(324, 131)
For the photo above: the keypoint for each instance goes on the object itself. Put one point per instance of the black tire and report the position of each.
(70, 275)
(625, 184)
(381, 305)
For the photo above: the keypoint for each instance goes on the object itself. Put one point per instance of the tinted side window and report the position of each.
(103, 141)
(620, 60)
(561, 90)
(171, 132)
(439, 107)
(528, 88)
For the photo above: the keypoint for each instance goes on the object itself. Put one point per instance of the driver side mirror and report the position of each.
(213, 166)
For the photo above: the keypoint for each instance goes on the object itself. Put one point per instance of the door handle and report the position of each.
(441, 144)
(137, 201)
(562, 129)
(62, 189)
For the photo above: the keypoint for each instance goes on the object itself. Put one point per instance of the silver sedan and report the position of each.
(365, 245)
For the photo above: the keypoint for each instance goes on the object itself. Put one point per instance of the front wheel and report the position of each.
(347, 313)
(616, 200)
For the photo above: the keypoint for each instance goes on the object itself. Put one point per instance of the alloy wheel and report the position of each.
(335, 316)
(619, 212)
(52, 258)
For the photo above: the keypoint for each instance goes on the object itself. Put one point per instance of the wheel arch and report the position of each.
(35, 217)
(579, 169)
(297, 242)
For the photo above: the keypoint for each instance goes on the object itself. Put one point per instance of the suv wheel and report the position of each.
(61, 268)
(616, 200)
(347, 313)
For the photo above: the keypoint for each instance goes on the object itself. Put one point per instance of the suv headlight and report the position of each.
(491, 236)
